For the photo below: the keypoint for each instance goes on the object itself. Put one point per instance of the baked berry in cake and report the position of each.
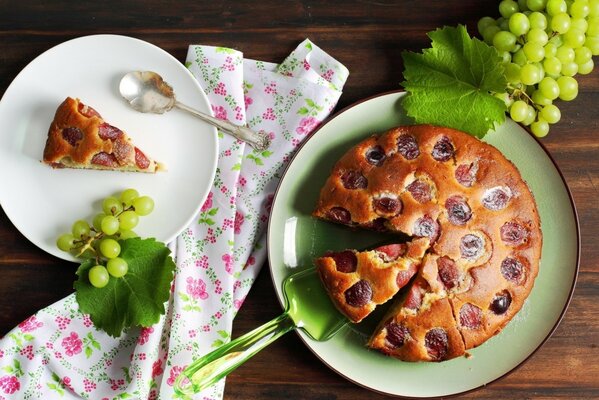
(479, 216)
(79, 138)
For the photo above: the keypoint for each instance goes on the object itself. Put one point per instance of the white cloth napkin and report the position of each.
(58, 354)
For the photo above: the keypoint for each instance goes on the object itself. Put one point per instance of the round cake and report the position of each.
(481, 221)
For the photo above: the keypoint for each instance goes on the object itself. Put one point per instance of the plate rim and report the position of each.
(141, 42)
(281, 299)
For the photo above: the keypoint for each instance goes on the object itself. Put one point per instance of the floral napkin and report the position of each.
(58, 354)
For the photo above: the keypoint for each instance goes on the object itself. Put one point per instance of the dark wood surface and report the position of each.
(368, 37)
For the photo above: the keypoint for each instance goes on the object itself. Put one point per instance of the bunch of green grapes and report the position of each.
(100, 240)
(543, 44)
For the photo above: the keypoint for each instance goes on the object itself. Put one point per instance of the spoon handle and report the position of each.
(214, 366)
(258, 140)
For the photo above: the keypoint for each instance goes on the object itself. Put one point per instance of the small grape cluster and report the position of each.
(543, 45)
(100, 240)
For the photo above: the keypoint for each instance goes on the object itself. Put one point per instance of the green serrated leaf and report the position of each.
(28, 337)
(135, 299)
(450, 84)
(213, 211)
(183, 296)
(217, 343)
(88, 352)
(210, 221)
(310, 102)
(8, 369)
(267, 153)
(303, 111)
(236, 167)
(96, 345)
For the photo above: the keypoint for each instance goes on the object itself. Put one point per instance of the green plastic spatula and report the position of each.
(307, 307)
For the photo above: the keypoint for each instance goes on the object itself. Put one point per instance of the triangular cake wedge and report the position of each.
(358, 281)
(80, 138)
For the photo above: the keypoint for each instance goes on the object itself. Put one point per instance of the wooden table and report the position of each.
(368, 37)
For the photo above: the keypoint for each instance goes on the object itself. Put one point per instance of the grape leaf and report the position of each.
(449, 84)
(135, 299)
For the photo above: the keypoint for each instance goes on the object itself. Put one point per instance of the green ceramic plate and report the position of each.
(295, 238)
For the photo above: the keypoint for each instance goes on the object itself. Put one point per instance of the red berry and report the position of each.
(465, 174)
(420, 190)
(436, 343)
(448, 272)
(345, 261)
(387, 205)
(354, 180)
(501, 302)
(512, 270)
(514, 233)
(396, 334)
(470, 316)
(407, 146)
(359, 294)
(496, 198)
(426, 227)
(471, 246)
(72, 135)
(106, 131)
(375, 156)
(458, 211)
(443, 149)
(392, 252)
(339, 214)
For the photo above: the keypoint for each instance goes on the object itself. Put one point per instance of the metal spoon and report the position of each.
(147, 92)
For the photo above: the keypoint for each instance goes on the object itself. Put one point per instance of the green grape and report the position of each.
(593, 26)
(519, 111)
(579, 23)
(519, 24)
(109, 225)
(568, 88)
(112, 206)
(531, 116)
(574, 38)
(549, 88)
(127, 234)
(537, 35)
(540, 128)
(485, 22)
(97, 221)
(65, 242)
(569, 68)
(560, 23)
(586, 68)
(512, 73)
(506, 57)
(507, 100)
(504, 41)
(593, 8)
(579, 9)
(534, 51)
(537, 20)
(565, 54)
(503, 24)
(552, 66)
(98, 276)
(143, 205)
(536, 5)
(551, 114)
(489, 33)
(507, 8)
(555, 7)
(582, 55)
(519, 58)
(80, 229)
(110, 248)
(128, 220)
(539, 99)
(550, 50)
(592, 42)
(117, 267)
(530, 74)
(128, 195)
(522, 5)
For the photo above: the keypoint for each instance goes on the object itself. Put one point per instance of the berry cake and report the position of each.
(360, 281)
(479, 216)
(79, 138)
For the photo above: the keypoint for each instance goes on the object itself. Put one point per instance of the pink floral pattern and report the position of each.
(218, 255)
(72, 344)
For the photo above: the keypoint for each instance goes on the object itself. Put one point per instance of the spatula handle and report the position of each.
(216, 365)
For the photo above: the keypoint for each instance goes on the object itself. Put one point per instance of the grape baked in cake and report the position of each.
(79, 138)
(481, 221)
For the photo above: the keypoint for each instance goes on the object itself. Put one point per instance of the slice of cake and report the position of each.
(359, 281)
(79, 138)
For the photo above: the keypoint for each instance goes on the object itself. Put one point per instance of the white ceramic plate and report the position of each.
(43, 202)
(295, 239)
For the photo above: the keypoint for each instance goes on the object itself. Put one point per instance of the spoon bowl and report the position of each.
(147, 92)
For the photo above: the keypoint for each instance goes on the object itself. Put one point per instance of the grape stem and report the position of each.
(86, 244)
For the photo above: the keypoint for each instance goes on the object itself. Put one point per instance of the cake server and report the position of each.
(307, 307)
